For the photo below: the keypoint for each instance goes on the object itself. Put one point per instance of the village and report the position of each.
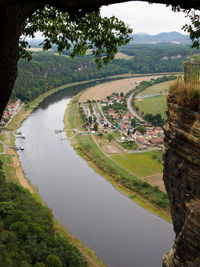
(111, 115)
(10, 110)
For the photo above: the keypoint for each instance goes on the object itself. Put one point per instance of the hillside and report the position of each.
(48, 70)
(166, 37)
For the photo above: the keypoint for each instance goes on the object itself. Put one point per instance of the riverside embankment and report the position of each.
(121, 232)
(12, 167)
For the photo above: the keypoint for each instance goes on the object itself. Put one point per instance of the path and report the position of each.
(131, 110)
(102, 114)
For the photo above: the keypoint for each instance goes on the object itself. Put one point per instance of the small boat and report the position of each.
(18, 132)
(18, 148)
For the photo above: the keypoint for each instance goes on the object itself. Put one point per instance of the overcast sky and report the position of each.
(148, 18)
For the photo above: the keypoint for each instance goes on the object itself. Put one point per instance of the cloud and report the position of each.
(144, 17)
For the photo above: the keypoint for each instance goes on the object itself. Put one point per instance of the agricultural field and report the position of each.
(153, 105)
(141, 164)
(101, 91)
(160, 88)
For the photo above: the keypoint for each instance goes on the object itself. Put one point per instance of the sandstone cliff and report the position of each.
(182, 181)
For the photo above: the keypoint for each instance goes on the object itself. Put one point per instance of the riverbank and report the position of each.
(14, 172)
(86, 146)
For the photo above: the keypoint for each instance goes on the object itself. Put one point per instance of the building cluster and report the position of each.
(114, 98)
(152, 136)
(116, 118)
(10, 111)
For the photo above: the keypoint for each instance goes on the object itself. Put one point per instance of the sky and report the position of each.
(147, 18)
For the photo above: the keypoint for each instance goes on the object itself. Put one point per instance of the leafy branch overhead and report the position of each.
(88, 31)
(193, 28)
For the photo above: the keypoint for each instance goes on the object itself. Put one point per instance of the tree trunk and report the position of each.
(12, 18)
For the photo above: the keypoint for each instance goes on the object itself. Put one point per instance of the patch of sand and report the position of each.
(156, 179)
(121, 55)
(101, 91)
(16, 164)
(20, 175)
(111, 149)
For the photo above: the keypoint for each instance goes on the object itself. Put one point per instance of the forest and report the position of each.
(47, 70)
(27, 233)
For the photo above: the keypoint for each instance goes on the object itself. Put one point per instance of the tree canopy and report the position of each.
(193, 27)
(88, 31)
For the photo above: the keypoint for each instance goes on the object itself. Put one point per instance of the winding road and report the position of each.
(131, 110)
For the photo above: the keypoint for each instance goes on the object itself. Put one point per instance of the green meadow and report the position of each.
(141, 164)
(153, 105)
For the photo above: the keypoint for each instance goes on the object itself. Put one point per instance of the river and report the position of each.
(122, 233)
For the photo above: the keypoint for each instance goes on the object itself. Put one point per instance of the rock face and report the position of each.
(182, 182)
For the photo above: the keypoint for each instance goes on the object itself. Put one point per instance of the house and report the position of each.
(141, 141)
(123, 127)
(128, 116)
(13, 106)
(138, 134)
(111, 111)
(103, 104)
(156, 141)
(155, 134)
(147, 135)
(100, 127)
(116, 116)
(158, 129)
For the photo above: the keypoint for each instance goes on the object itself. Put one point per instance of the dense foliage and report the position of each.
(155, 120)
(27, 234)
(48, 70)
(193, 26)
(80, 31)
(157, 57)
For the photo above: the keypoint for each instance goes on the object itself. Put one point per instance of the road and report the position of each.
(131, 110)
(106, 120)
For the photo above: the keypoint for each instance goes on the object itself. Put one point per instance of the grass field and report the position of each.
(153, 105)
(72, 118)
(159, 88)
(141, 164)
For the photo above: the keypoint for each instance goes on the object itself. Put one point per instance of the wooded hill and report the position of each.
(168, 37)
(48, 70)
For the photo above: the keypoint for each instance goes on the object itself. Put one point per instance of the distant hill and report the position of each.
(164, 37)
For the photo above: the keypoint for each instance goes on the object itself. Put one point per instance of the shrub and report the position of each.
(186, 93)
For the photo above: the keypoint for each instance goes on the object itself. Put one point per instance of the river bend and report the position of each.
(121, 232)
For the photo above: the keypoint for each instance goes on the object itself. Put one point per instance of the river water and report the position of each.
(121, 232)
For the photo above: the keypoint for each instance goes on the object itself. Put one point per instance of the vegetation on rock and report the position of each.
(186, 94)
